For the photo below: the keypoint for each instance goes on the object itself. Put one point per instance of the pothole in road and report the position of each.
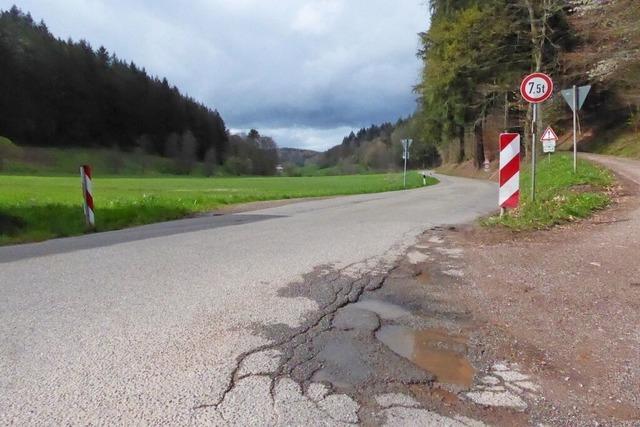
(375, 333)
(433, 350)
(385, 310)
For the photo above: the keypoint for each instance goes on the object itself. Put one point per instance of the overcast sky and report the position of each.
(304, 71)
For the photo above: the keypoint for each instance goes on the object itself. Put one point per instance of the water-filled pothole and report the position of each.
(433, 350)
(383, 309)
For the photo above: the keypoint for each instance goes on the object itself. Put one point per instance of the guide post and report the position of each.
(406, 144)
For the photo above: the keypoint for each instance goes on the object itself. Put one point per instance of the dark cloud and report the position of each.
(294, 66)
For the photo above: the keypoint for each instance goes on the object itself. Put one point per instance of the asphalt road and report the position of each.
(142, 326)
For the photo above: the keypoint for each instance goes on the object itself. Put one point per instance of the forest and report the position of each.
(379, 148)
(58, 93)
(67, 94)
(476, 52)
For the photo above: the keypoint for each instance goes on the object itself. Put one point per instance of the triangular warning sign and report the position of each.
(549, 135)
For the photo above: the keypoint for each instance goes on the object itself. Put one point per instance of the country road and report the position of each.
(147, 325)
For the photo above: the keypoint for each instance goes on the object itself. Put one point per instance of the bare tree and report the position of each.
(540, 13)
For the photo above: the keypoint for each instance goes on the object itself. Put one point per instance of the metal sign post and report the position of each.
(535, 88)
(406, 144)
(533, 151)
(575, 128)
(575, 97)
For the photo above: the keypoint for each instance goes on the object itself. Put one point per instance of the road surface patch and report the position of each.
(396, 399)
(416, 257)
(453, 272)
(504, 386)
(411, 417)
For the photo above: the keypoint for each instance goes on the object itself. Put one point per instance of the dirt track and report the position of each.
(565, 304)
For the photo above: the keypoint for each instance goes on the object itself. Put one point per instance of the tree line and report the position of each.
(379, 148)
(59, 93)
(475, 54)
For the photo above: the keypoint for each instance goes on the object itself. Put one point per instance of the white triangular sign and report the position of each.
(549, 135)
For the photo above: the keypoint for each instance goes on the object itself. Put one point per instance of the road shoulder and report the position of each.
(565, 303)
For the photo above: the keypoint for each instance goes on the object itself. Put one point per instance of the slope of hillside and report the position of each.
(295, 156)
(608, 58)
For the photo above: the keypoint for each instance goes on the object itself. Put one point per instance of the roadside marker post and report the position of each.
(509, 196)
(575, 97)
(87, 196)
(406, 144)
(535, 89)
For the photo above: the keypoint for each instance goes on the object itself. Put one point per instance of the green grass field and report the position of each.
(37, 208)
(561, 195)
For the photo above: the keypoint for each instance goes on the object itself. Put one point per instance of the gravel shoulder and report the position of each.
(565, 304)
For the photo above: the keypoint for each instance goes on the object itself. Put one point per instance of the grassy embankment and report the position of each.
(561, 195)
(621, 143)
(35, 208)
(46, 161)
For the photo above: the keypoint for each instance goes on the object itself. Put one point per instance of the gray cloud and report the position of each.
(305, 68)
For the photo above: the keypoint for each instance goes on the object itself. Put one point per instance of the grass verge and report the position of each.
(561, 195)
(38, 208)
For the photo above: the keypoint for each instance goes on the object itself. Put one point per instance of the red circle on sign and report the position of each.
(536, 88)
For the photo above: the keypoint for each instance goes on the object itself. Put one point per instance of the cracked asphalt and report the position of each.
(211, 320)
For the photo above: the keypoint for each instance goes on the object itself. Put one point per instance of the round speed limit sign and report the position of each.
(536, 88)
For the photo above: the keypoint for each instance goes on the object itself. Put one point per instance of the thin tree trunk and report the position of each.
(478, 134)
(538, 35)
(536, 41)
(506, 111)
(461, 153)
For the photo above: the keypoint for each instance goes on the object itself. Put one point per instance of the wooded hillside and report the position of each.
(476, 53)
(59, 93)
(379, 148)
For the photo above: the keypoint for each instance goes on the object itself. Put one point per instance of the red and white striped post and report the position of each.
(87, 195)
(509, 171)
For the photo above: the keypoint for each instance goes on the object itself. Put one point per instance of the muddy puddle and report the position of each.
(385, 310)
(433, 350)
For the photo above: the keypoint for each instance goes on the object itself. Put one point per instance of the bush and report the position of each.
(8, 150)
(238, 166)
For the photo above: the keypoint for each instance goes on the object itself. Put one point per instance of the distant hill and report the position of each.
(296, 156)
(379, 148)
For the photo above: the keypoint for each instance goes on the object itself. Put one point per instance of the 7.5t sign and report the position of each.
(536, 88)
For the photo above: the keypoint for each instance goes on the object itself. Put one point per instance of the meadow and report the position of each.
(34, 208)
